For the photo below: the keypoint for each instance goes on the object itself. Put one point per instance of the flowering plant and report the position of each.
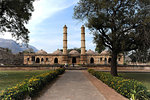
(30, 87)
(126, 87)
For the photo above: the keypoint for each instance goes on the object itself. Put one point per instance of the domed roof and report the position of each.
(105, 52)
(41, 52)
(74, 52)
(90, 52)
(57, 52)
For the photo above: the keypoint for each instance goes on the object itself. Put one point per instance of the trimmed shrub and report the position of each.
(127, 87)
(31, 86)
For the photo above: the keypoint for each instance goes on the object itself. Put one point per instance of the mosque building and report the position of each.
(73, 57)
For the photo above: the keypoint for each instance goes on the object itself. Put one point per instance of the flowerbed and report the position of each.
(31, 86)
(126, 87)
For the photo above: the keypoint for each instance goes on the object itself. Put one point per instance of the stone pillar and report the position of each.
(65, 56)
(83, 56)
(65, 40)
(82, 40)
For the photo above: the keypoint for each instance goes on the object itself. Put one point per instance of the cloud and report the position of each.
(46, 26)
(45, 9)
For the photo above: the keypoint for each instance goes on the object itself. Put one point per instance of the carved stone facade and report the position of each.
(59, 57)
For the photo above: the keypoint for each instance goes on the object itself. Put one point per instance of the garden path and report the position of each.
(72, 85)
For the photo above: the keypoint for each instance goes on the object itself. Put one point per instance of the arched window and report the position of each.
(42, 59)
(46, 59)
(56, 60)
(92, 60)
(74, 60)
(37, 60)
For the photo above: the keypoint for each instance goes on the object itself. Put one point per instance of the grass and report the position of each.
(142, 77)
(11, 78)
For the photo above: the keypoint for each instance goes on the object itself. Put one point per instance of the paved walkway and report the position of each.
(72, 85)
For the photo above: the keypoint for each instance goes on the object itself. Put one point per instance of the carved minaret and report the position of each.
(83, 55)
(82, 40)
(65, 40)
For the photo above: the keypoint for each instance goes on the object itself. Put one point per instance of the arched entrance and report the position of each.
(74, 60)
(109, 60)
(28, 59)
(56, 61)
(42, 60)
(37, 60)
(92, 61)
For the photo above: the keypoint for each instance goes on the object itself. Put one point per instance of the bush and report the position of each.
(31, 86)
(127, 87)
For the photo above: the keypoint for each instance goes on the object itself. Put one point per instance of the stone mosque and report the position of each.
(72, 57)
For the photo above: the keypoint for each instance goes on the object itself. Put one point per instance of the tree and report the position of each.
(142, 56)
(122, 25)
(14, 14)
(29, 50)
(98, 41)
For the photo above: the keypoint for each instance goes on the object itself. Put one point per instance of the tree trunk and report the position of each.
(114, 64)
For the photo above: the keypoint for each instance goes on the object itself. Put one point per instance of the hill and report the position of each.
(14, 46)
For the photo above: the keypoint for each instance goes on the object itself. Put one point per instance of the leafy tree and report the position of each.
(122, 25)
(14, 14)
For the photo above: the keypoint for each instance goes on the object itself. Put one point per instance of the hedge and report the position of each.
(30, 87)
(129, 88)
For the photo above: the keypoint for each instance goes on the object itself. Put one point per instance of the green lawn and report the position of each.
(142, 77)
(11, 78)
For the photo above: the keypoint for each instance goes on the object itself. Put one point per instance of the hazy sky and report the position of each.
(46, 26)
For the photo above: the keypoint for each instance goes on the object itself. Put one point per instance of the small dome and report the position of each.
(104, 52)
(41, 52)
(90, 52)
(73, 52)
(57, 52)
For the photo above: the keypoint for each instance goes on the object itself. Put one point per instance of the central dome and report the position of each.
(74, 52)
(57, 52)
(105, 52)
(41, 52)
(90, 52)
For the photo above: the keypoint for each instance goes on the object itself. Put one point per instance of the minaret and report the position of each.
(65, 56)
(82, 40)
(65, 40)
(83, 58)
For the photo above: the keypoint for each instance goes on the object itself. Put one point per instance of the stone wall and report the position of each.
(7, 58)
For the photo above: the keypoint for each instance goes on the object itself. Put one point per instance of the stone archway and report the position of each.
(92, 60)
(37, 60)
(56, 61)
(74, 60)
